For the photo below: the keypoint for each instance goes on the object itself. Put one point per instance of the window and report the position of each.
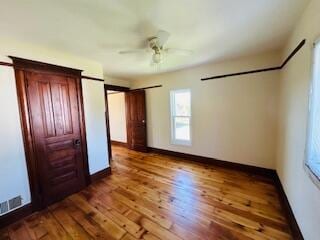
(313, 136)
(181, 116)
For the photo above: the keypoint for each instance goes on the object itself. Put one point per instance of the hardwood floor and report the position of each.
(152, 196)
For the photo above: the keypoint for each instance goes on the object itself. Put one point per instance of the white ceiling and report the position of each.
(214, 30)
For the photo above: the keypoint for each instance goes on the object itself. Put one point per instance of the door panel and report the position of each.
(54, 112)
(136, 120)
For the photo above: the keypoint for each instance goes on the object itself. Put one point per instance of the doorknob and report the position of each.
(143, 121)
(76, 142)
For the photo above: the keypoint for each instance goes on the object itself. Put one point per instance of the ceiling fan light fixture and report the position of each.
(156, 58)
(156, 45)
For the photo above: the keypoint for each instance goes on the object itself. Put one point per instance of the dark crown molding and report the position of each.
(294, 52)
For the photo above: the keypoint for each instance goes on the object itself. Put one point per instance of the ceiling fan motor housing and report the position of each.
(154, 44)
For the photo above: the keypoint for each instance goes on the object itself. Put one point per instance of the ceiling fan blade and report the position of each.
(132, 51)
(179, 51)
(163, 37)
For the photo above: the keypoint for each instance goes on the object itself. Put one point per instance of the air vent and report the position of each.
(15, 202)
(4, 207)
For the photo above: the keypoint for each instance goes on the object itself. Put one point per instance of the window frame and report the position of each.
(315, 177)
(175, 141)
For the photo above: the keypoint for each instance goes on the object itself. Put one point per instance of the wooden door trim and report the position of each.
(36, 66)
(113, 88)
(83, 132)
(20, 66)
(116, 88)
(107, 122)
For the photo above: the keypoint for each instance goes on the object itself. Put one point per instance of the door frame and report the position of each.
(21, 65)
(113, 88)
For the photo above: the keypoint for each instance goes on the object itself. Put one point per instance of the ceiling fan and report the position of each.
(156, 46)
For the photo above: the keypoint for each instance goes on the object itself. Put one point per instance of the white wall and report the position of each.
(13, 172)
(117, 81)
(234, 119)
(303, 195)
(117, 117)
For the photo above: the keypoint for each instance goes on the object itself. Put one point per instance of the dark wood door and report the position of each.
(136, 120)
(55, 121)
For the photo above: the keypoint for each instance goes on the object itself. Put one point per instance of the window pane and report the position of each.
(314, 117)
(182, 128)
(313, 138)
(181, 116)
(182, 103)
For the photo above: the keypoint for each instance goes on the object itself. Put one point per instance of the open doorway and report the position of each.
(126, 118)
(117, 117)
(108, 91)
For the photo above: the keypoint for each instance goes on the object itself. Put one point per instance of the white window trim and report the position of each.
(308, 166)
(172, 116)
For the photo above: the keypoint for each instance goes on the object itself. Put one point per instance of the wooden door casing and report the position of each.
(51, 110)
(112, 88)
(136, 120)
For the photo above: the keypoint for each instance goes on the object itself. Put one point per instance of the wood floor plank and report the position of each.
(4, 234)
(55, 230)
(234, 191)
(159, 194)
(198, 226)
(157, 230)
(69, 224)
(215, 196)
(161, 220)
(128, 237)
(87, 221)
(130, 226)
(157, 197)
(35, 226)
(106, 223)
(150, 236)
(19, 231)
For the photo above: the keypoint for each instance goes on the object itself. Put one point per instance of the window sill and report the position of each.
(181, 143)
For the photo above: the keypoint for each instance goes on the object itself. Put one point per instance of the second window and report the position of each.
(181, 116)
